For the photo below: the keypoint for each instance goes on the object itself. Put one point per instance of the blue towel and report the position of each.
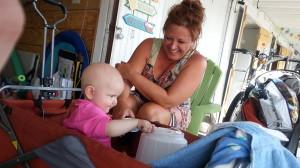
(232, 149)
(258, 148)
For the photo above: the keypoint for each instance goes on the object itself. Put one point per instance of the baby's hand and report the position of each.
(145, 126)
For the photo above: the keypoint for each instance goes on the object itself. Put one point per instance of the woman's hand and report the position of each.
(122, 110)
(125, 70)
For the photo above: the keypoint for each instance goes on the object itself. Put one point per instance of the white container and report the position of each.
(160, 143)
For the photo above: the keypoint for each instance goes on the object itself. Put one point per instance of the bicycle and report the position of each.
(258, 79)
(261, 74)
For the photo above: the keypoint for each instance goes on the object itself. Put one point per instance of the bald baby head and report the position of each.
(101, 75)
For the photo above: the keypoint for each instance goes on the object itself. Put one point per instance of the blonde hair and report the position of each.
(190, 14)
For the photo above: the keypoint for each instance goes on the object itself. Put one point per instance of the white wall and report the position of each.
(215, 40)
(211, 43)
(230, 26)
(122, 49)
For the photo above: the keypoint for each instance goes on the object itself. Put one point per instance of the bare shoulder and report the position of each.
(197, 59)
(144, 48)
(146, 43)
(142, 52)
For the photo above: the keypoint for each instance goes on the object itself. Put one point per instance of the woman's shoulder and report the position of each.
(144, 47)
(196, 56)
(150, 41)
(146, 43)
(197, 59)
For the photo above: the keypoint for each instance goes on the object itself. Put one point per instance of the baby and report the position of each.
(101, 84)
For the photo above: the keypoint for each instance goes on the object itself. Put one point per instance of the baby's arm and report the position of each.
(120, 127)
(145, 126)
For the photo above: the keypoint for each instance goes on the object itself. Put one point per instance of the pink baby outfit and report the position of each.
(90, 120)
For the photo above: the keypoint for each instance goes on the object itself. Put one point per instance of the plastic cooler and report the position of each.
(160, 143)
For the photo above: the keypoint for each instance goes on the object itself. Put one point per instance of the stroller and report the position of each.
(248, 105)
(36, 141)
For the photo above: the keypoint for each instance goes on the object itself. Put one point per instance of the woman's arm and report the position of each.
(122, 109)
(181, 89)
(138, 61)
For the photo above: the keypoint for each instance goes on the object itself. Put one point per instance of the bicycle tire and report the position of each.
(234, 110)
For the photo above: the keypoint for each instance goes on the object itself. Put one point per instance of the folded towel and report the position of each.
(257, 149)
(231, 149)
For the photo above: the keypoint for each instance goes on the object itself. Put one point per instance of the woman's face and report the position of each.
(177, 42)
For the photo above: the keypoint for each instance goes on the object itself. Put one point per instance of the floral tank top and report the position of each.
(165, 81)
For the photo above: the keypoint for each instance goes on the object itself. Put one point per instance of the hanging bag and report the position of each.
(251, 111)
(276, 106)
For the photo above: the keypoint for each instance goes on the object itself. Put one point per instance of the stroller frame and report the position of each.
(46, 91)
(34, 132)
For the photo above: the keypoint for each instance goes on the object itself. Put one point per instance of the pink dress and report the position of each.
(90, 120)
(181, 114)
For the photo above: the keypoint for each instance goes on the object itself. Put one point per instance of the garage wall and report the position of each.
(82, 18)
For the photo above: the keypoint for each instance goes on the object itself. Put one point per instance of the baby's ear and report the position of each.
(89, 92)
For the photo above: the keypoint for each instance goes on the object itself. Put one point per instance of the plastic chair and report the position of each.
(201, 99)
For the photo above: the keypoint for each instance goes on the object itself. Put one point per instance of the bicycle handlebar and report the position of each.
(242, 50)
(270, 59)
(56, 3)
(281, 58)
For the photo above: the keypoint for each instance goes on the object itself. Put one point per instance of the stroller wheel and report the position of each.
(234, 112)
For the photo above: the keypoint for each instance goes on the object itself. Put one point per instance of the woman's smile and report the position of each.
(177, 42)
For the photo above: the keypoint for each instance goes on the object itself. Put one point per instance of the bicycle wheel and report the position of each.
(234, 112)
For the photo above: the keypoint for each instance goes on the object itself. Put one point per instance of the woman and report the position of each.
(165, 72)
